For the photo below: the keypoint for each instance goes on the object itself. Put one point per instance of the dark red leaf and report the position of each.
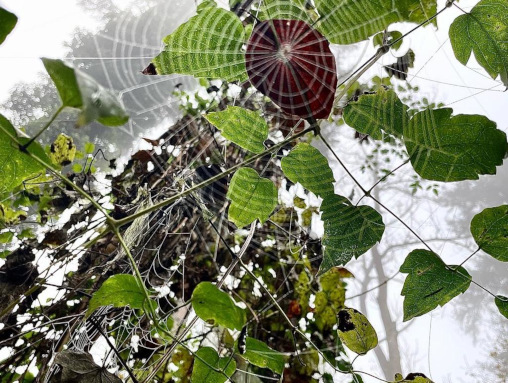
(290, 62)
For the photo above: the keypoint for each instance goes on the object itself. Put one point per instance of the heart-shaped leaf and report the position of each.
(483, 31)
(244, 127)
(306, 165)
(290, 62)
(490, 231)
(210, 303)
(252, 197)
(79, 90)
(355, 331)
(430, 283)
(350, 231)
(202, 373)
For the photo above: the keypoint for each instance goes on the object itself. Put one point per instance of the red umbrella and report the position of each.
(290, 62)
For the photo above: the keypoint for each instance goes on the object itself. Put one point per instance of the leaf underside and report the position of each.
(244, 127)
(305, 164)
(252, 197)
(208, 45)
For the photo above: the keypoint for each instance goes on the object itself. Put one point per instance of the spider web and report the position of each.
(163, 243)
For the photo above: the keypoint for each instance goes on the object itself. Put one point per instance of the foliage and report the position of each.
(162, 228)
(211, 304)
(485, 28)
(430, 282)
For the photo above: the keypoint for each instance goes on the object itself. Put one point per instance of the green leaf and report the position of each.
(89, 148)
(483, 31)
(16, 166)
(208, 45)
(446, 148)
(350, 231)
(418, 11)
(6, 237)
(355, 331)
(430, 283)
(490, 231)
(377, 114)
(62, 150)
(119, 290)
(7, 23)
(391, 36)
(244, 127)
(251, 197)
(79, 90)
(306, 165)
(283, 10)
(210, 303)
(259, 354)
(351, 21)
(201, 373)
(502, 304)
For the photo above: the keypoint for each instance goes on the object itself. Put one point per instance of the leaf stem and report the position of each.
(23, 148)
(349, 81)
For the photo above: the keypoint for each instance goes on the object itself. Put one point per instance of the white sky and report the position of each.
(44, 25)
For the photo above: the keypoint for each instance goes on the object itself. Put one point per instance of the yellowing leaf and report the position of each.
(355, 331)
(62, 150)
